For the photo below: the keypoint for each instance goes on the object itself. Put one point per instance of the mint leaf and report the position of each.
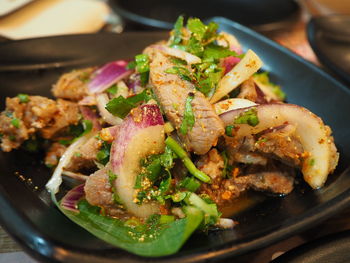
(122, 106)
(190, 183)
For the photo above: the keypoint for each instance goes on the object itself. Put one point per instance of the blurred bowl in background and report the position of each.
(160, 14)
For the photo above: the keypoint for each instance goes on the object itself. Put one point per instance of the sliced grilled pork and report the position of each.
(274, 178)
(72, 85)
(99, 192)
(280, 143)
(172, 93)
(85, 156)
(54, 154)
(38, 114)
(250, 91)
(67, 113)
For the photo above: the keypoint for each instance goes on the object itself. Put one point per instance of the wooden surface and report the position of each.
(6, 243)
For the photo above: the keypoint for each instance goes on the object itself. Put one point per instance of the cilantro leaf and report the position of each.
(131, 65)
(196, 26)
(15, 122)
(229, 130)
(264, 79)
(211, 32)
(183, 73)
(113, 89)
(190, 183)
(178, 61)
(23, 98)
(195, 47)
(213, 51)
(104, 153)
(177, 32)
(188, 118)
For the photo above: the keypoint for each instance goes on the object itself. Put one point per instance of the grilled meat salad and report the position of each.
(158, 144)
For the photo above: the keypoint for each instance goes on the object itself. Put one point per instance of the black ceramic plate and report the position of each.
(331, 249)
(31, 66)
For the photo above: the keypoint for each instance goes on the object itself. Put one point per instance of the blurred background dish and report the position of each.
(54, 17)
(8, 6)
(329, 37)
(158, 14)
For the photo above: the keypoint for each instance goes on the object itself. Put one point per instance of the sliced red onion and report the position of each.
(230, 41)
(71, 199)
(108, 75)
(134, 83)
(102, 99)
(229, 62)
(114, 131)
(236, 49)
(141, 134)
(90, 115)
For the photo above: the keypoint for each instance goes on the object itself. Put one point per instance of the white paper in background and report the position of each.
(7, 6)
(54, 17)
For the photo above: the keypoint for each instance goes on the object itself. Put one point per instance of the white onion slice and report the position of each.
(102, 99)
(188, 57)
(249, 64)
